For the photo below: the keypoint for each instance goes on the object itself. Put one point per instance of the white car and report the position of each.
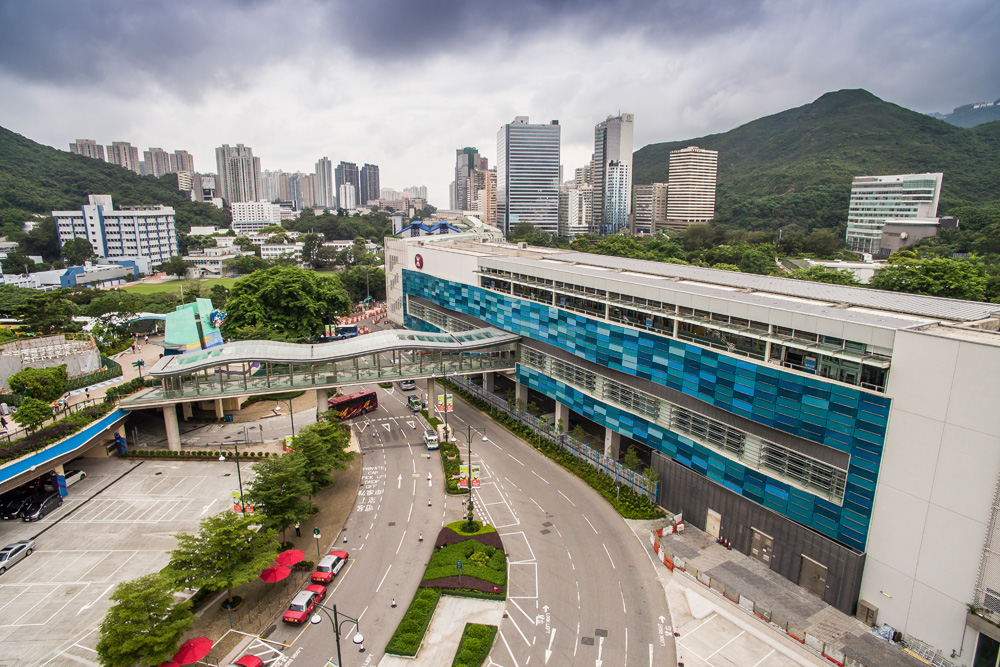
(74, 476)
(15, 552)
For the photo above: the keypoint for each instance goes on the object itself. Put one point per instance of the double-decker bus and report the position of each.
(352, 405)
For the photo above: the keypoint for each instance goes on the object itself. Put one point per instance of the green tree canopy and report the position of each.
(283, 303)
(144, 626)
(224, 554)
(821, 274)
(954, 278)
(45, 384)
(33, 413)
(244, 265)
(277, 492)
(175, 266)
(360, 281)
(77, 251)
(45, 313)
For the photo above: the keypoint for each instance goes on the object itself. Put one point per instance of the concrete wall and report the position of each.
(935, 491)
(80, 357)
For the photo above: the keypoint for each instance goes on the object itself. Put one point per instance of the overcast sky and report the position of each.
(403, 83)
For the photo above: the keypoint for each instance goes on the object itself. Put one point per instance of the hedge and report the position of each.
(492, 565)
(630, 504)
(55, 432)
(451, 471)
(193, 455)
(271, 397)
(410, 631)
(130, 387)
(477, 640)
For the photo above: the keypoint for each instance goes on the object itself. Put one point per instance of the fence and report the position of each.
(109, 369)
(57, 414)
(542, 429)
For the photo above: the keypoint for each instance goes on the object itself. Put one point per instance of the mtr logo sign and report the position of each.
(418, 261)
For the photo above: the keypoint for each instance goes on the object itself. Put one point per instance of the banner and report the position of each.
(441, 398)
(463, 476)
(239, 508)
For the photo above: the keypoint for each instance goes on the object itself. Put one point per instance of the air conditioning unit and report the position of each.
(867, 613)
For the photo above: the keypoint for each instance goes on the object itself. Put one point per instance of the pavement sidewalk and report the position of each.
(445, 631)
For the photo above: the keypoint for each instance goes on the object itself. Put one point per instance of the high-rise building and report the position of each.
(574, 211)
(583, 174)
(528, 175)
(181, 161)
(470, 177)
(325, 196)
(486, 197)
(389, 193)
(87, 148)
(416, 192)
(369, 184)
(612, 174)
(875, 199)
(274, 186)
(307, 191)
(124, 155)
(157, 161)
(239, 173)
(148, 232)
(250, 217)
(649, 206)
(347, 172)
(347, 196)
(691, 196)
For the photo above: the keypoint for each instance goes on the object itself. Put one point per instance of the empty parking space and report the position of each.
(714, 641)
(117, 524)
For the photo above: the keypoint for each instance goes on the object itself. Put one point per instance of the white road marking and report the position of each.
(409, 514)
(515, 459)
(567, 498)
(609, 556)
(755, 665)
(539, 476)
(589, 524)
(624, 610)
(509, 652)
(383, 578)
(400, 541)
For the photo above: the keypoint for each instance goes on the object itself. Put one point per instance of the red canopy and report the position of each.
(193, 650)
(274, 573)
(290, 557)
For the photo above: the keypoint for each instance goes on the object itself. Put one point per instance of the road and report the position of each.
(581, 588)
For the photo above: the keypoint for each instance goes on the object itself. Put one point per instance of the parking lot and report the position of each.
(714, 641)
(115, 525)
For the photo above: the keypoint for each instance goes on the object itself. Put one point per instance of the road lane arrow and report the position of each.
(663, 619)
(399, 485)
(552, 637)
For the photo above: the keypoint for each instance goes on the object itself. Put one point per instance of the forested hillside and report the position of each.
(796, 167)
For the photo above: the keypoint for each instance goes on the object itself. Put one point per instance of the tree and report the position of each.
(278, 492)
(821, 274)
(317, 458)
(11, 296)
(953, 278)
(175, 266)
(311, 243)
(631, 460)
(823, 243)
(271, 229)
(284, 302)
(224, 554)
(244, 243)
(218, 294)
(33, 413)
(45, 384)
(243, 265)
(144, 626)
(77, 251)
(755, 261)
(362, 281)
(45, 313)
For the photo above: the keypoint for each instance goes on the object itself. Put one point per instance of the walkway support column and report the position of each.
(521, 392)
(187, 411)
(612, 443)
(562, 415)
(321, 404)
(488, 381)
(173, 431)
(219, 412)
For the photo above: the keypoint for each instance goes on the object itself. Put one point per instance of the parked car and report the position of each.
(71, 477)
(41, 505)
(247, 661)
(301, 607)
(12, 553)
(15, 503)
(408, 385)
(414, 403)
(318, 589)
(329, 567)
(431, 439)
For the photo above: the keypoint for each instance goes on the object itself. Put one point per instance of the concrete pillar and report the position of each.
(521, 392)
(428, 397)
(562, 414)
(488, 383)
(321, 402)
(173, 430)
(612, 443)
(187, 410)
(219, 412)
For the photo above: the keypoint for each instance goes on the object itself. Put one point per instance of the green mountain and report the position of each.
(796, 167)
(35, 178)
(970, 115)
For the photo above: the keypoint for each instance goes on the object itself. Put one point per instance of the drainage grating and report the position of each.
(587, 641)
(546, 531)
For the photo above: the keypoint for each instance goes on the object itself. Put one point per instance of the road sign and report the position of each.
(316, 533)
(458, 564)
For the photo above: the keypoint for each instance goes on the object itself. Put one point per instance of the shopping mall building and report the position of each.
(847, 438)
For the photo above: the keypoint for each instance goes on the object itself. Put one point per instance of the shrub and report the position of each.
(44, 384)
(477, 640)
(406, 640)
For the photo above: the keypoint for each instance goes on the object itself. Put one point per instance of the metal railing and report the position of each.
(598, 460)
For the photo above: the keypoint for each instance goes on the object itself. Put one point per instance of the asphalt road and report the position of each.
(581, 588)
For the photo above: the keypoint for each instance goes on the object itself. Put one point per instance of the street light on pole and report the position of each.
(239, 476)
(482, 431)
(335, 619)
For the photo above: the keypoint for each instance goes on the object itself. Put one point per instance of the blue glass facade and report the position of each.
(846, 419)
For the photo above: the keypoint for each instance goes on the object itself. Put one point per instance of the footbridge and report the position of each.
(246, 368)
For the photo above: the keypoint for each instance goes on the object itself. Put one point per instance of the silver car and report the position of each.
(12, 553)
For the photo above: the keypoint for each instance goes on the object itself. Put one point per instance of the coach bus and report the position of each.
(352, 405)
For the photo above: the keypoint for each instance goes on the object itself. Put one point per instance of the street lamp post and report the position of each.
(468, 523)
(239, 476)
(335, 619)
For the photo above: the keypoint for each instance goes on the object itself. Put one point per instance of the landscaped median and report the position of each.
(483, 574)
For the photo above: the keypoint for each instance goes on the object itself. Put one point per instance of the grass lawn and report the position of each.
(175, 285)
